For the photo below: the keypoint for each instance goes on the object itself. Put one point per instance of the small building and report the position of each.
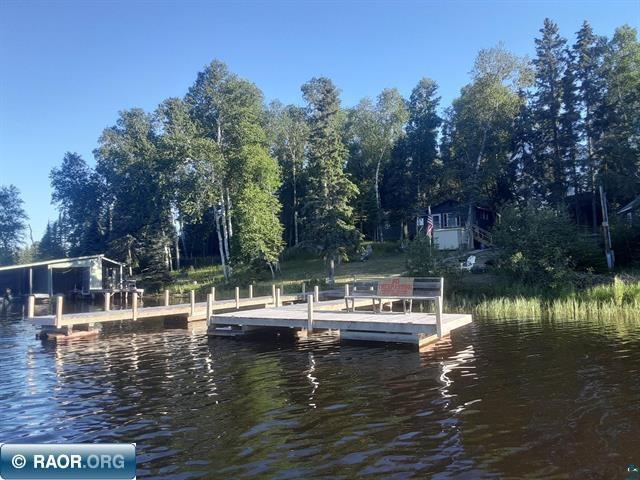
(80, 275)
(631, 210)
(449, 225)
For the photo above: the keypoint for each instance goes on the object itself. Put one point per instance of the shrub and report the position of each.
(542, 246)
(424, 259)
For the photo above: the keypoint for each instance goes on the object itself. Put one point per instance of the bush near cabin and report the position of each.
(542, 246)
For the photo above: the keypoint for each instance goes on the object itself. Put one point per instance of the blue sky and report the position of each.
(68, 67)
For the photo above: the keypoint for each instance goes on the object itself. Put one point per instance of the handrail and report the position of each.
(482, 235)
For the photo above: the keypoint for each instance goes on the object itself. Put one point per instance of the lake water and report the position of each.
(520, 399)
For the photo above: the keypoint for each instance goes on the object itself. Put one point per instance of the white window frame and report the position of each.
(448, 217)
(437, 223)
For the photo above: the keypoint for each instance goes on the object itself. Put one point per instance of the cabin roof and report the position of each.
(634, 204)
(60, 260)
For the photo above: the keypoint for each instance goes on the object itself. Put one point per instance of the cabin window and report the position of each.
(451, 220)
(437, 221)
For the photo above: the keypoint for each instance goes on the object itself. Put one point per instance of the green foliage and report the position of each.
(52, 244)
(78, 192)
(424, 259)
(289, 137)
(372, 131)
(327, 205)
(620, 115)
(539, 245)
(13, 223)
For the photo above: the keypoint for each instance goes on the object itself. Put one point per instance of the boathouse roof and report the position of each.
(72, 260)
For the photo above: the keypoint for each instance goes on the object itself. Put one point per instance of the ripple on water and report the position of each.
(500, 399)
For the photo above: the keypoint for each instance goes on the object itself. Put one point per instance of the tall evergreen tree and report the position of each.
(569, 128)
(327, 204)
(620, 145)
(13, 223)
(587, 54)
(550, 64)
(78, 192)
(412, 178)
(51, 245)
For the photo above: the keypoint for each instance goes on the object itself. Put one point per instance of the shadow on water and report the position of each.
(499, 399)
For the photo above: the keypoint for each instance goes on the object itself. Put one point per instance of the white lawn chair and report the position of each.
(468, 264)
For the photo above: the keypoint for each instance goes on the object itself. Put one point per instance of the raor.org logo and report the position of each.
(114, 461)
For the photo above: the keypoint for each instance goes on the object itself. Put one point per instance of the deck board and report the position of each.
(333, 319)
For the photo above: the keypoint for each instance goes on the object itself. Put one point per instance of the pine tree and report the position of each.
(422, 133)
(327, 203)
(569, 129)
(549, 70)
(587, 55)
(620, 113)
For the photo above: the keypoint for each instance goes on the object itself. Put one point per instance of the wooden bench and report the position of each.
(386, 290)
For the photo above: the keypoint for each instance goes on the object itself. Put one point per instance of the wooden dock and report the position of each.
(419, 329)
(81, 324)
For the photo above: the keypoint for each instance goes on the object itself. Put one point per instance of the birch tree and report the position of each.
(483, 120)
(373, 131)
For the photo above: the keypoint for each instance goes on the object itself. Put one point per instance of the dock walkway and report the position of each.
(80, 324)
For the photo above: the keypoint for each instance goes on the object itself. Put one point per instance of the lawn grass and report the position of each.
(488, 295)
(307, 269)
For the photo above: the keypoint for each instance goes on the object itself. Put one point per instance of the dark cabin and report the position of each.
(449, 225)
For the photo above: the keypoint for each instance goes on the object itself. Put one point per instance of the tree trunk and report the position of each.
(378, 205)
(229, 206)
(177, 247)
(223, 262)
(471, 213)
(295, 201)
(273, 274)
(225, 233)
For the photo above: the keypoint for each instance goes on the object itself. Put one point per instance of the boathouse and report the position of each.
(64, 276)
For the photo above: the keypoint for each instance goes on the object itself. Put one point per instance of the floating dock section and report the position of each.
(419, 329)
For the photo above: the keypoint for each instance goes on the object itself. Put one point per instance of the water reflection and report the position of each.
(500, 399)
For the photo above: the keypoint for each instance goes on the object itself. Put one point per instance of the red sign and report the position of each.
(395, 287)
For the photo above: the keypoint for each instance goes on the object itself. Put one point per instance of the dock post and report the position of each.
(309, 314)
(107, 301)
(166, 298)
(213, 294)
(192, 301)
(439, 316)
(278, 303)
(273, 293)
(59, 302)
(251, 290)
(304, 287)
(316, 293)
(31, 306)
(346, 289)
(134, 305)
(209, 307)
(237, 298)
